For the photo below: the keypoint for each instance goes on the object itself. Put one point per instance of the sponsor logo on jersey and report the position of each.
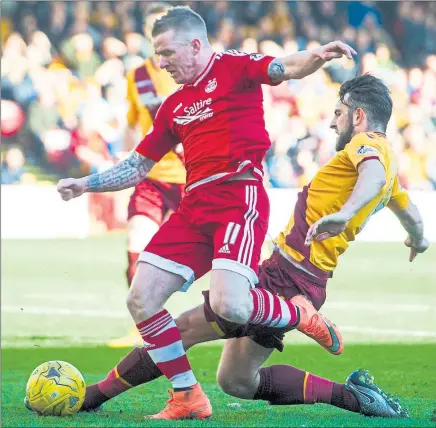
(198, 110)
(211, 85)
(364, 150)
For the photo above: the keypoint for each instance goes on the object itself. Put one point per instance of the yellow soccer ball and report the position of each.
(55, 388)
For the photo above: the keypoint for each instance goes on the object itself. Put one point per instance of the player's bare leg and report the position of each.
(240, 375)
(150, 290)
(140, 230)
(238, 370)
(138, 368)
(230, 296)
(233, 298)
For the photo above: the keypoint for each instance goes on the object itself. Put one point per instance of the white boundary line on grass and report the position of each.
(91, 313)
(345, 305)
(350, 305)
(115, 314)
(387, 332)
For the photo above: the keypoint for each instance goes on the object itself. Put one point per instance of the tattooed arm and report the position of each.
(301, 64)
(127, 173)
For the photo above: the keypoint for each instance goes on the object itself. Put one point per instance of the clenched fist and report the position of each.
(70, 188)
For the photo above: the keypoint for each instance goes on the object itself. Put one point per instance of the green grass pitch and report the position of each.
(64, 299)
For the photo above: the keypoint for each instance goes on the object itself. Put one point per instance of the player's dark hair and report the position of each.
(181, 19)
(157, 7)
(372, 96)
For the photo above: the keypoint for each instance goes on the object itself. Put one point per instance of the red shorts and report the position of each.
(154, 199)
(219, 226)
(282, 278)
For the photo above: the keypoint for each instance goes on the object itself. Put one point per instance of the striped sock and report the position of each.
(113, 385)
(287, 385)
(272, 311)
(163, 343)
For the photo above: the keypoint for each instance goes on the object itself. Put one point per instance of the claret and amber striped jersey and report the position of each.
(147, 87)
(327, 193)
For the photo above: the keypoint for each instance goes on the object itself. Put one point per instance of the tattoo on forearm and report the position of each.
(127, 173)
(276, 70)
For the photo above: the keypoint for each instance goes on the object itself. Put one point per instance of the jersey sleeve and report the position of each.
(400, 198)
(363, 147)
(252, 67)
(132, 112)
(159, 139)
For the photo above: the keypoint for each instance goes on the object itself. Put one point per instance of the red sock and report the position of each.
(136, 368)
(271, 310)
(165, 348)
(282, 385)
(114, 384)
(131, 268)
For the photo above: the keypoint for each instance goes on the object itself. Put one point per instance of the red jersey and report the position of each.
(219, 120)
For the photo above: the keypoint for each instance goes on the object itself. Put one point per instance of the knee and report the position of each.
(134, 300)
(131, 268)
(187, 331)
(141, 302)
(234, 385)
(233, 310)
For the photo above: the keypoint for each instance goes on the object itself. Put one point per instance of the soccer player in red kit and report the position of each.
(221, 223)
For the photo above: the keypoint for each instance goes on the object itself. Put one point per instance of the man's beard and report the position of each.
(345, 136)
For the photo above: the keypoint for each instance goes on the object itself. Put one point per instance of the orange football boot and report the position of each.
(318, 327)
(190, 404)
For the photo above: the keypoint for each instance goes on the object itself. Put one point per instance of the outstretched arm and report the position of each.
(370, 181)
(127, 173)
(301, 64)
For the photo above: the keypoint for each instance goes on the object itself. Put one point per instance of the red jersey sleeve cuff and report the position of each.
(149, 154)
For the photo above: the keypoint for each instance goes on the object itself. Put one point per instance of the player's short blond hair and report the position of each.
(183, 20)
(157, 7)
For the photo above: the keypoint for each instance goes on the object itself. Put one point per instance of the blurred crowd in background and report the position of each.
(63, 84)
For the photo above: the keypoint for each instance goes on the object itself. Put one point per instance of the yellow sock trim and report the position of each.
(304, 386)
(121, 379)
(217, 329)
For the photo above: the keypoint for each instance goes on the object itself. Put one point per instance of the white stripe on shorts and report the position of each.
(235, 233)
(256, 215)
(228, 232)
(247, 243)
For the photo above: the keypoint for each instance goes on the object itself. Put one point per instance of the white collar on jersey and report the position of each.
(203, 74)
